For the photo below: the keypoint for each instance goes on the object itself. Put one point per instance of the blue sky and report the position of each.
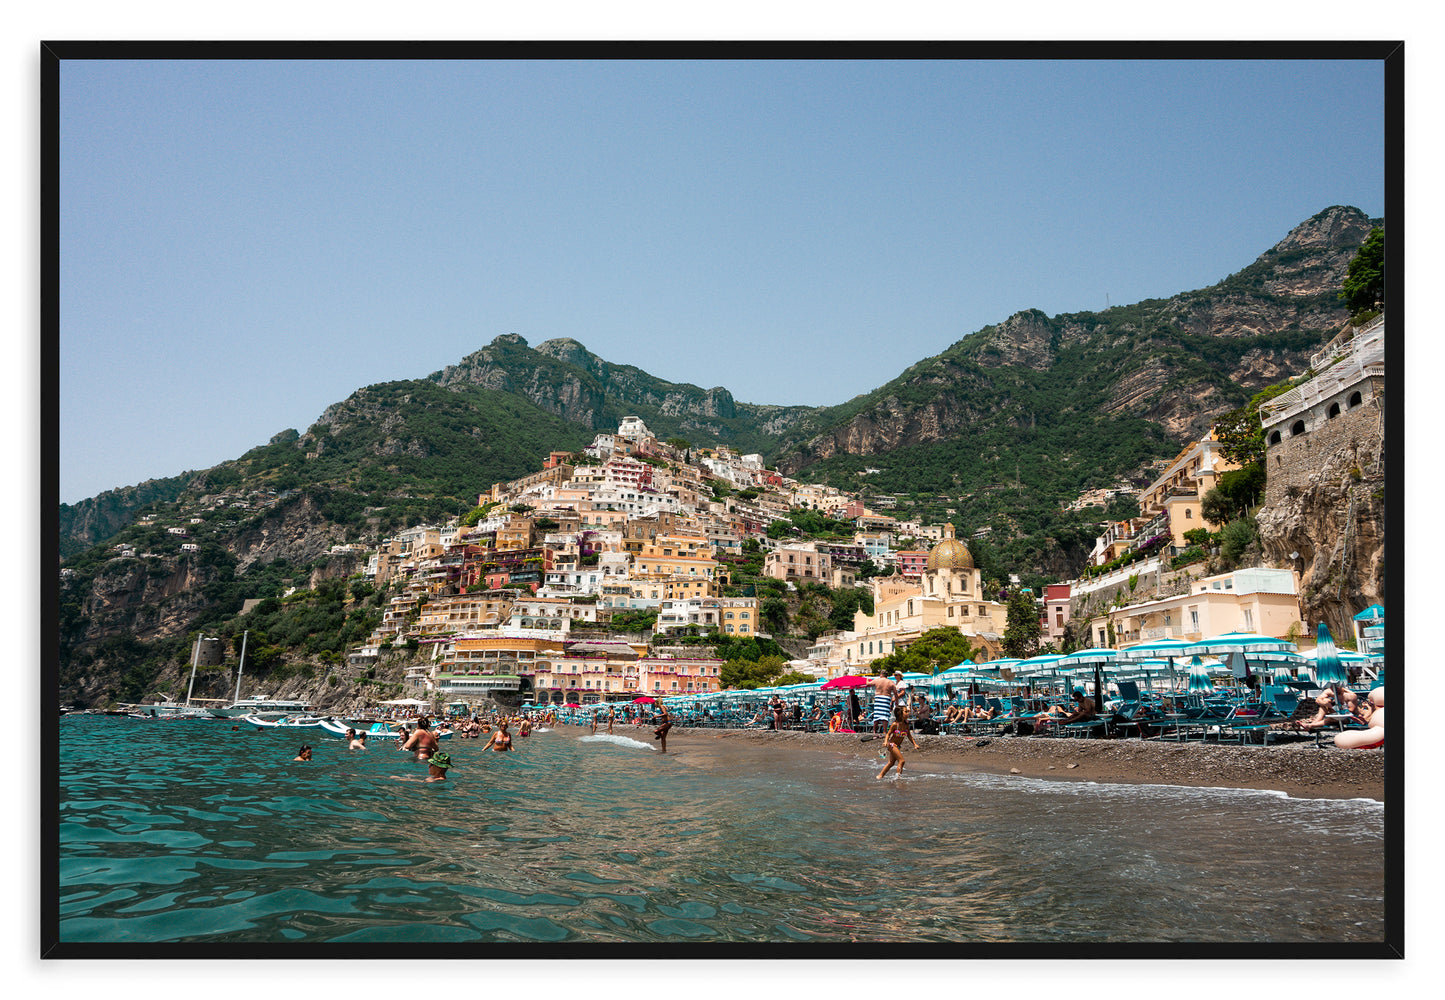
(245, 243)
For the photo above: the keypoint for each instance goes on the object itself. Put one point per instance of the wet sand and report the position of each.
(1299, 769)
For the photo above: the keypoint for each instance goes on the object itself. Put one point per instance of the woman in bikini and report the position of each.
(501, 740)
(893, 742)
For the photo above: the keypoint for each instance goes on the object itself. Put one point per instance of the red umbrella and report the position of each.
(644, 700)
(846, 681)
(571, 704)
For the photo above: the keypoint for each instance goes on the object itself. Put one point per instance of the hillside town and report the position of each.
(509, 601)
(520, 598)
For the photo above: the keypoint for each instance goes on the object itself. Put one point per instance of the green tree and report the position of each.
(774, 614)
(845, 603)
(751, 674)
(1364, 284)
(934, 650)
(1235, 537)
(1021, 633)
(1237, 492)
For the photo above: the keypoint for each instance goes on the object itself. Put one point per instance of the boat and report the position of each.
(167, 710)
(259, 722)
(285, 722)
(335, 727)
(260, 705)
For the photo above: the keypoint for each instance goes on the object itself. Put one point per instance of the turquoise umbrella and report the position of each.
(1329, 671)
(1199, 682)
(1097, 659)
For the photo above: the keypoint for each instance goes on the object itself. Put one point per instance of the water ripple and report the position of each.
(204, 834)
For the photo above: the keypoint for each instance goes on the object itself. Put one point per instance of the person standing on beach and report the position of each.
(893, 742)
(422, 740)
(885, 689)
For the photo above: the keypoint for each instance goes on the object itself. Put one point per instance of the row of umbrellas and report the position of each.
(1247, 649)
(1206, 658)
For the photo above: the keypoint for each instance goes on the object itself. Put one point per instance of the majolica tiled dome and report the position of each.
(950, 553)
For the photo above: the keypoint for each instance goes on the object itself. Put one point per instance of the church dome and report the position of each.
(950, 553)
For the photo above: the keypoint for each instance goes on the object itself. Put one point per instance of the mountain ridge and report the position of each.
(1159, 370)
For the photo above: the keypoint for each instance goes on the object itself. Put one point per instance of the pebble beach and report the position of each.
(1299, 769)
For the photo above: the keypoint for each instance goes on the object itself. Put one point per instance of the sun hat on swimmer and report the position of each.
(441, 760)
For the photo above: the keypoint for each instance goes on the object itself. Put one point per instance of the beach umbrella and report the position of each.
(644, 700)
(1199, 682)
(846, 681)
(1248, 643)
(1329, 671)
(1038, 667)
(1154, 649)
(1097, 659)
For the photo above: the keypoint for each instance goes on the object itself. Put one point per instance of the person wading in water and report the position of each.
(422, 740)
(893, 742)
(666, 723)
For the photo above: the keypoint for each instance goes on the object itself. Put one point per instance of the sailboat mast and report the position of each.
(241, 666)
(195, 658)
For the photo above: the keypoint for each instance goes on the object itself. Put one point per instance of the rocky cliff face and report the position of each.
(1333, 531)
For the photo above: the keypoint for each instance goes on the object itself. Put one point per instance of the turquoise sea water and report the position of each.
(192, 832)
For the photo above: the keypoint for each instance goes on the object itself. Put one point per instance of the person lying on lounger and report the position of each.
(1309, 715)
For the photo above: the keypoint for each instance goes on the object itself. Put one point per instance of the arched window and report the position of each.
(1298, 427)
(1355, 400)
(1334, 410)
(1274, 437)
(1188, 514)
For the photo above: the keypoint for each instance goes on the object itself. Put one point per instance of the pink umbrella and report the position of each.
(644, 700)
(846, 681)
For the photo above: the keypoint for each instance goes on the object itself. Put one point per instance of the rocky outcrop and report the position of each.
(1332, 530)
(295, 531)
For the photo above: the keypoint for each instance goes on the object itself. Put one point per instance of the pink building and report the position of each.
(1055, 614)
(911, 563)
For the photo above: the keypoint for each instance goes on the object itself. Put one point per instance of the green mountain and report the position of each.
(997, 433)
(1057, 404)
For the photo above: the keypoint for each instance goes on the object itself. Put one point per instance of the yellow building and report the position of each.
(1181, 489)
(949, 595)
(1259, 599)
(674, 557)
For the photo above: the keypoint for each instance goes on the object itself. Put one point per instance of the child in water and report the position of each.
(304, 754)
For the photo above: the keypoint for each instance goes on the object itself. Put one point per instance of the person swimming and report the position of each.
(437, 766)
(304, 754)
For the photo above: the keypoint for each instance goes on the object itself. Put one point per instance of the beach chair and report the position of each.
(1099, 725)
(1003, 715)
(1131, 710)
